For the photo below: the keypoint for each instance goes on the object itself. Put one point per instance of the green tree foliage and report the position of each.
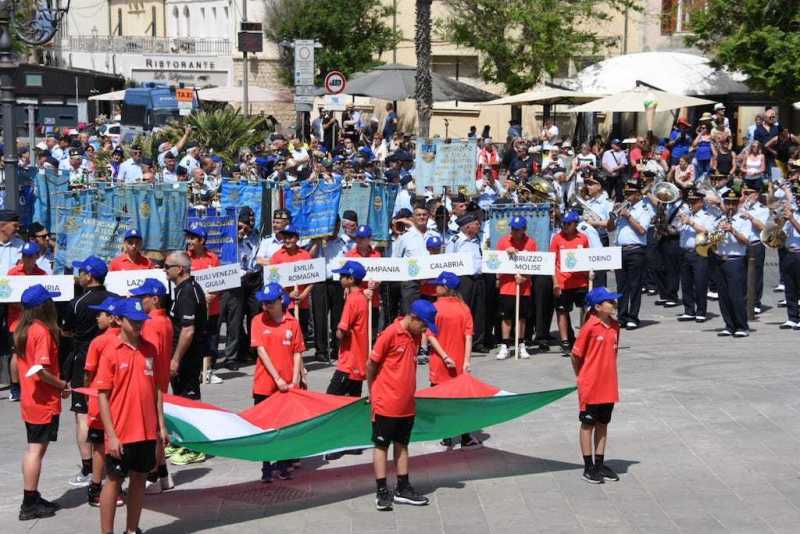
(760, 38)
(521, 40)
(353, 33)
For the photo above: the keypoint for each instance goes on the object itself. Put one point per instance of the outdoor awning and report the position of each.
(544, 95)
(113, 96)
(633, 100)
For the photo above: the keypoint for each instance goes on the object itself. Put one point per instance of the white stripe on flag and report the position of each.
(213, 424)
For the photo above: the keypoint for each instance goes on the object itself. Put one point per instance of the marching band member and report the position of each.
(728, 265)
(600, 218)
(758, 214)
(693, 266)
(633, 220)
(790, 265)
(667, 250)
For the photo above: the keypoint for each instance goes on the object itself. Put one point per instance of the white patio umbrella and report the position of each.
(236, 94)
(113, 96)
(633, 100)
(544, 95)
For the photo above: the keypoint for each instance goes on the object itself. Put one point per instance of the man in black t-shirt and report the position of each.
(189, 315)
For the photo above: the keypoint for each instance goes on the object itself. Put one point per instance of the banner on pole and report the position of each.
(499, 261)
(219, 278)
(11, 287)
(295, 273)
(241, 194)
(536, 215)
(446, 163)
(314, 206)
(591, 259)
(356, 198)
(222, 232)
(85, 236)
(121, 282)
(381, 205)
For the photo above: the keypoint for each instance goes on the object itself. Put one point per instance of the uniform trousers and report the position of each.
(544, 306)
(409, 292)
(327, 300)
(232, 314)
(629, 282)
(757, 250)
(730, 275)
(790, 268)
(694, 282)
(600, 277)
(473, 291)
(668, 267)
(491, 332)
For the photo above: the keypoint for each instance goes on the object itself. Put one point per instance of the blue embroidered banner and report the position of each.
(537, 215)
(381, 205)
(241, 194)
(356, 198)
(83, 236)
(222, 231)
(314, 206)
(45, 188)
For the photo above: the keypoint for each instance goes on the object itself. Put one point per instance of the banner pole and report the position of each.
(516, 320)
(369, 325)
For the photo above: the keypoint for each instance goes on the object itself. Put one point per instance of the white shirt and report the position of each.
(487, 194)
(626, 235)
(687, 235)
(730, 246)
(761, 214)
(189, 163)
(602, 207)
(168, 176)
(792, 235)
(412, 243)
(268, 246)
(129, 172)
(163, 155)
(60, 153)
(614, 160)
(461, 244)
(44, 264)
(10, 253)
(591, 233)
(403, 200)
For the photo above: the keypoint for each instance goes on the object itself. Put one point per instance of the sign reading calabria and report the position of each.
(591, 259)
(11, 287)
(404, 269)
(500, 261)
(295, 273)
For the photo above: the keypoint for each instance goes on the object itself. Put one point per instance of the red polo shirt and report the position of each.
(204, 261)
(507, 281)
(281, 341)
(376, 294)
(129, 374)
(596, 345)
(392, 393)
(123, 262)
(576, 280)
(283, 256)
(15, 310)
(454, 321)
(39, 401)
(354, 347)
(158, 331)
(95, 352)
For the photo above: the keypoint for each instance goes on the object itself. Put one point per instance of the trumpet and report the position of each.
(773, 235)
(588, 212)
(708, 241)
(619, 208)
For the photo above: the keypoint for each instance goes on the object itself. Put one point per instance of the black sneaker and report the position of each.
(94, 496)
(383, 500)
(543, 347)
(566, 348)
(592, 476)
(606, 472)
(284, 475)
(49, 504)
(409, 495)
(333, 456)
(37, 510)
(447, 443)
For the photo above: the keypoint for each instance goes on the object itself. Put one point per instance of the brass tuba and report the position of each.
(666, 192)
(773, 234)
(708, 241)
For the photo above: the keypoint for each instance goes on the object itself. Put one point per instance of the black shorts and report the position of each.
(97, 436)
(388, 430)
(43, 433)
(139, 457)
(343, 385)
(509, 302)
(569, 298)
(596, 413)
(258, 398)
(79, 403)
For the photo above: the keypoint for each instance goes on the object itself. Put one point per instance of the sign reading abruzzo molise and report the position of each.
(500, 261)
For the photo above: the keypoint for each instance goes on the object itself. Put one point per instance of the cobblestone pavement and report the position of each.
(706, 439)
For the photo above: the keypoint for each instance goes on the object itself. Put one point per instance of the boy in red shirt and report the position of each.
(364, 249)
(36, 339)
(107, 324)
(569, 289)
(131, 258)
(352, 332)
(392, 380)
(158, 331)
(594, 359)
(516, 241)
(289, 252)
(131, 408)
(279, 343)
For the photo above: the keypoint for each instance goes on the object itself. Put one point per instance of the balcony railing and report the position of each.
(147, 45)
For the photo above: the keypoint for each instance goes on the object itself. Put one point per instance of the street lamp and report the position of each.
(35, 22)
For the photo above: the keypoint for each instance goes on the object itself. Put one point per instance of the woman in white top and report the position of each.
(585, 160)
(682, 174)
(754, 166)
(379, 148)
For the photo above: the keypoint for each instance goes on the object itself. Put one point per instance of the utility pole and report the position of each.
(8, 68)
(245, 69)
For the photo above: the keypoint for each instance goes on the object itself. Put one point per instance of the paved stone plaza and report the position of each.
(706, 439)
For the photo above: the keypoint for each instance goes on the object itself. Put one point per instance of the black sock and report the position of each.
(508, 342)
(402, 481)
(95, 486)
(29, 497)
(598, 459)
(152, 476)
(162, 471)
(587, 461)
(86, 467)
(381, 483)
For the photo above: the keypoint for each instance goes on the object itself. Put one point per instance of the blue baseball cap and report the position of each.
(599, 295)
(427, 312)
(291, 229)
(133, 234)
(149, 288)
(271, 293)
(352, 269)
(197, 230)
(286, 300)
(37, 295)
(30, 249)
(518, 223)
(92, 265)
(433, 241)
(571, 217)
(447, 279)
(364, 231)
(108, 305)
(130, 309)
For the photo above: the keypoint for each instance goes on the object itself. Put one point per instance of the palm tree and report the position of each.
(424, 87)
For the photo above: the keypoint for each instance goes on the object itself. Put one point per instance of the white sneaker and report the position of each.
(741, 333)
(779, 288)
(166, 482)
(80, 480)
(630, 325)
(713, 295)
(152, 488)
(756, 309)
(788, 325)
(211, 378)
(523, 352)
(502, 354)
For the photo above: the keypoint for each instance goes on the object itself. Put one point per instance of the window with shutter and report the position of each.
(669, 13)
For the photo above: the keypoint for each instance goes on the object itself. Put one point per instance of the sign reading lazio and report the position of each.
(591, 259)
(121, 282)
(404, 269)
(295, 273)
(219, 278)
(11, 287)
(499, 261)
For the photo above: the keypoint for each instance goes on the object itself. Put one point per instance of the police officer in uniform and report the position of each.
(727, 262)
(693, 266)
(633, 220)
(410, 244)
(472, 287)
(667, 252)
(599, 218)
(758, 214)
(272, 243)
